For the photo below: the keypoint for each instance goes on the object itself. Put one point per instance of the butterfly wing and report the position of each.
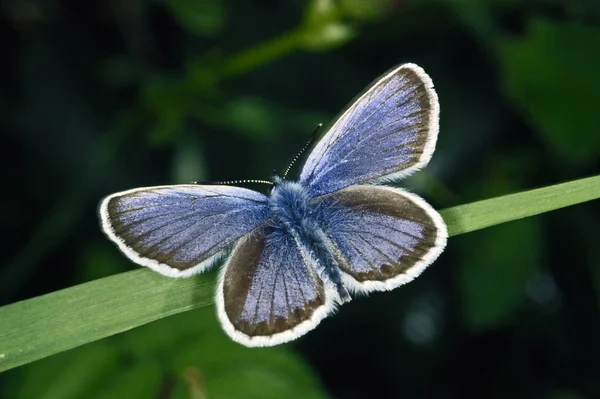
(180, 230)
(381, 237)
(388, 132)
(269, 291)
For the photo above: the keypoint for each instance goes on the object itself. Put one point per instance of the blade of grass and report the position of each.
(481, 214)
(45, 325)
(48, 324)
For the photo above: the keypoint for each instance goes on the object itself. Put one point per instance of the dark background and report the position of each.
(102, 96)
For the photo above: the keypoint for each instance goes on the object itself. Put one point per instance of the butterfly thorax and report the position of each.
(290, 204)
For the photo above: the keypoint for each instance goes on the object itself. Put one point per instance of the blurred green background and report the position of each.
(101, 96)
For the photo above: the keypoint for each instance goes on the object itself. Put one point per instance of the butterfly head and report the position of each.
(277, 180)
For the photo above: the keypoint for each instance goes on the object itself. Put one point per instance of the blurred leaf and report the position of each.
(319, 12)
(231, 370)
(262, 53)
(167, 337)
(552, 74)
(202, 75)
(257, 119)
(140, 381)
(67, 375)
(165, 98)
(193, 342)
(323, 26)
(45, 325)
(478, 16)
(199, 17)
(365, 10)
(169, 125)
(251, 117)
(494, 276)
(328, 36)
(188, 160)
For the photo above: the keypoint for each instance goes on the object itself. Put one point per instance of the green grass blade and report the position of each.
(481, 214)
(45, 325)
(48, 324)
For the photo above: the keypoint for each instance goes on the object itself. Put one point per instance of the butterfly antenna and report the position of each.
(221, 183)
(299, 154)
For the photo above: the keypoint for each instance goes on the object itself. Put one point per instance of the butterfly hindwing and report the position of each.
(382, 237)
(269, 291)
(388, 132)
(180, 230)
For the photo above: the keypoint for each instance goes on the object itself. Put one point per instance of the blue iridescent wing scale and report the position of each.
(382, 237)
(269, 291)
(388, 132)
(183, 229)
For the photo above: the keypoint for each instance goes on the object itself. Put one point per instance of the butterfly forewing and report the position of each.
(382, 237)
(269, 291)
(180, 230)
(388, 132)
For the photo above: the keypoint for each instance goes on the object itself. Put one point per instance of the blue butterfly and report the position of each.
(292, 257)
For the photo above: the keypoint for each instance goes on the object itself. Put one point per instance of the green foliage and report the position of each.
(512, 254)
(251, 117)
(69, 375)
(552, 73)
(203, 18)
(323, 26)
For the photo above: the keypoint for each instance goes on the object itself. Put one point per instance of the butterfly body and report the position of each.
(297, 213)
(292, 257)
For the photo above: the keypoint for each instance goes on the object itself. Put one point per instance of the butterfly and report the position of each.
(290, 258)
